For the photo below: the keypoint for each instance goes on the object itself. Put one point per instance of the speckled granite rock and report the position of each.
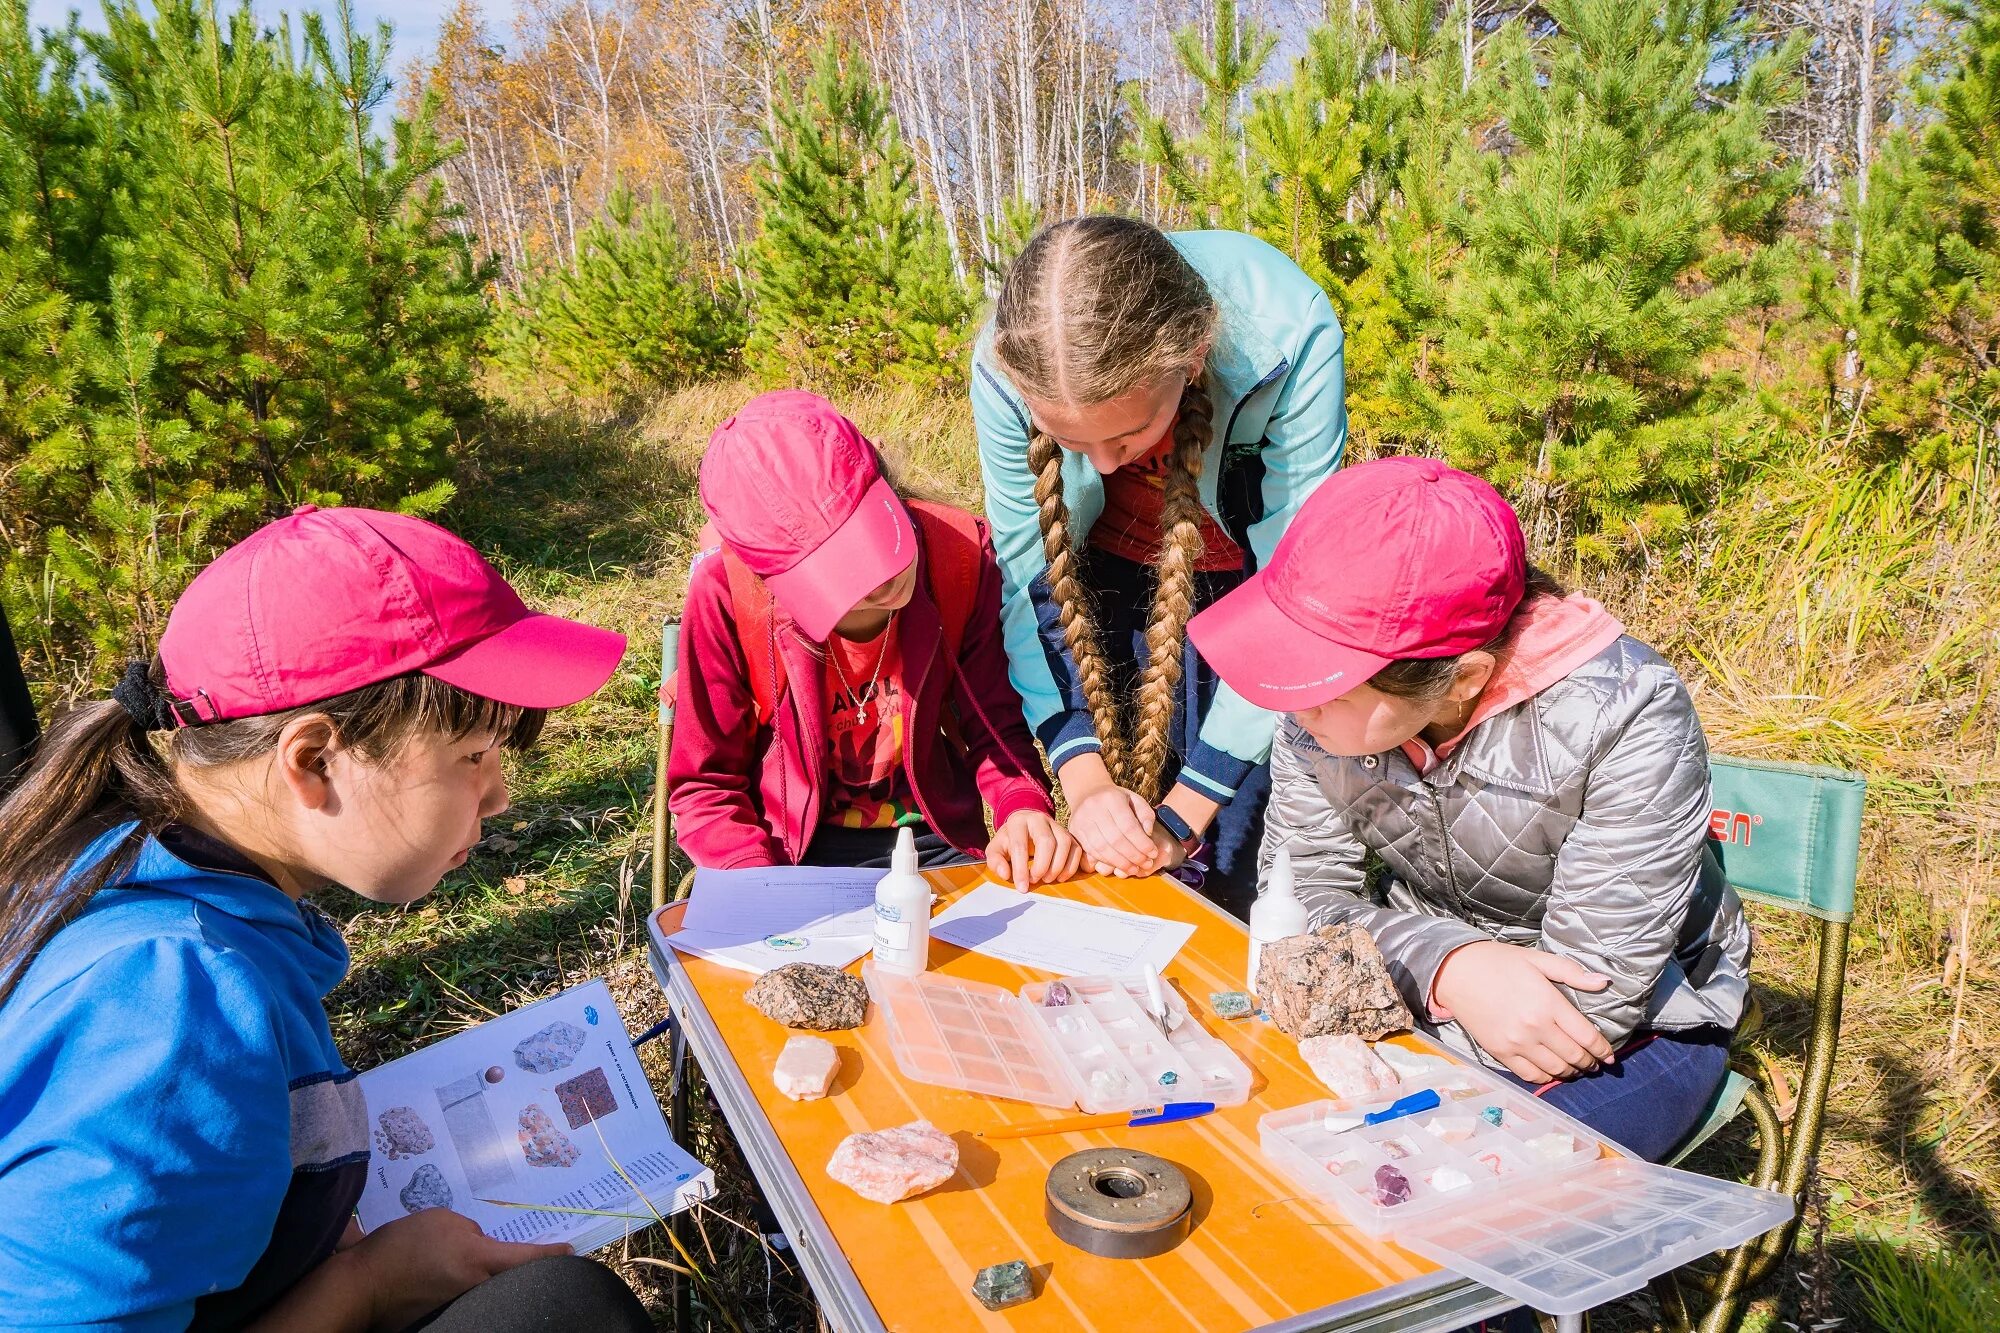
(809, 995)
(1332, 981)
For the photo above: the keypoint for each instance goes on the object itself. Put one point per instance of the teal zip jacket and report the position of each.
(1277, 378)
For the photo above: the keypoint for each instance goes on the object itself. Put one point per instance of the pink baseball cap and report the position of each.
(1394, 559)
(330, 600)
(798, 493)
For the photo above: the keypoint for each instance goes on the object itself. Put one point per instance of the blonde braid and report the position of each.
(1173, 594)
(1072, 607)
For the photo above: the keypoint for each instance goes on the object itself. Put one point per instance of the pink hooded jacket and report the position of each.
(745, 795)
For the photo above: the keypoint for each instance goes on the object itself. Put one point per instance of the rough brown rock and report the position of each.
(1329, 982)
(809, 995)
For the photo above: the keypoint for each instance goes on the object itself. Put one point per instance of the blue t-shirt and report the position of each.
(179, 1140)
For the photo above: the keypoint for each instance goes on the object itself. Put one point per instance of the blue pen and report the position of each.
(1427, 1100)
(1161, 1115)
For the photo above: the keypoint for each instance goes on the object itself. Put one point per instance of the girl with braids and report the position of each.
(181, 1146)
(1152, 409)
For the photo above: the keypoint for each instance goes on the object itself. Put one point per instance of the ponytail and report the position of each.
(94, 770)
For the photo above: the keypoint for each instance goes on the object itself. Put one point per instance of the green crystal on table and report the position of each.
(1230, 1004)
(1493, 1115)
(1003, 1285)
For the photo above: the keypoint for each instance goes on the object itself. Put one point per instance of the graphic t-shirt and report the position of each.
(867, 785)
(1129, 527)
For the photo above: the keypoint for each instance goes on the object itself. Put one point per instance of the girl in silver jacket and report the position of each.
(1504, 788)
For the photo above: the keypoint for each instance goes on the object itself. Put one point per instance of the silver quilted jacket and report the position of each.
(1574, 822)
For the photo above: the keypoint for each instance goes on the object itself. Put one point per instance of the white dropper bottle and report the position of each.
(1277, 914)
(903, 912)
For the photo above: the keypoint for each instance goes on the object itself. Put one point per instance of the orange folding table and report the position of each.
(1260, 1256)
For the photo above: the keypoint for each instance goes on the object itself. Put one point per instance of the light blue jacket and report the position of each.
(1277, 378)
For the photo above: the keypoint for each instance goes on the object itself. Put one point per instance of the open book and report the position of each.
(538, 1125)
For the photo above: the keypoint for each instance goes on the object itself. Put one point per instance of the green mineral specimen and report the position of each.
(1230, 1004)
(1003, 1285)
(1493, 1115)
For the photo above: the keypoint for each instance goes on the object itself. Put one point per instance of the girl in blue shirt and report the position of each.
(181, 1145)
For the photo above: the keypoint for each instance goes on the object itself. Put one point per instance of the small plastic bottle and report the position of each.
(1277, 914)
(903, 912)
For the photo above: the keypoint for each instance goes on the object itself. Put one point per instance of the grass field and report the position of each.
(1823, 616)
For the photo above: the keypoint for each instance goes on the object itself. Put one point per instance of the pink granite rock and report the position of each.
(1333, 980)
(892, 1164)
(1345, 1064)
(805, 1068)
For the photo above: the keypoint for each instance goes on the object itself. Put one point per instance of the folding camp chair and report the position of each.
(1788, 835)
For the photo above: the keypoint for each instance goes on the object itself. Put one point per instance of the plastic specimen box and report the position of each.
(1183, 1064)
(1544, 1216)
(984, 1039)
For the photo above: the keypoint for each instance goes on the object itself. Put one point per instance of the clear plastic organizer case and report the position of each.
(1185, 1064)
(1544, 1216)
(1101, 1056)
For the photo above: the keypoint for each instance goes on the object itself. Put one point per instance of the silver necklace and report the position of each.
(863, 705)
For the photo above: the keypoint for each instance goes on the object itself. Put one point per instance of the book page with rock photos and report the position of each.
(537, 1125)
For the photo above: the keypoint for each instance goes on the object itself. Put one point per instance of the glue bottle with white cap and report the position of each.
(903, 912)
(1277, 914)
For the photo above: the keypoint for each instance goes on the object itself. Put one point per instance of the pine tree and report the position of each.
(1929, 308)
(629, 318)
(220, 296)
(1606, 252)
(1208, 171)
(852, 277)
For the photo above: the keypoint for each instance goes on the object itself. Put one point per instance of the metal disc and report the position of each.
(1119, 1203)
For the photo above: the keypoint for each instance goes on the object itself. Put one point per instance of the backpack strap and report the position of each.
(755, 614)
(953, 556)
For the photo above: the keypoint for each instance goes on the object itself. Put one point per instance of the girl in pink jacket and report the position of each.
(841, 668)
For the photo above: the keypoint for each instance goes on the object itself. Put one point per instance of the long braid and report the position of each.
(1174, 594)
(1072, 606)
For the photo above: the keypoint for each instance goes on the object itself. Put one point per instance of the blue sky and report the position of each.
(416, 21)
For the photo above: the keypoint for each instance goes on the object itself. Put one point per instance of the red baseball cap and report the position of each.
(330, 600)
(1394, 559)
(798, 493)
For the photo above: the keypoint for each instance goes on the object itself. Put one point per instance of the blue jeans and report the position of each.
(1656, 1094)
(1122, 592)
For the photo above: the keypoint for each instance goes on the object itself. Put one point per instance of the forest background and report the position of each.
(1711, 289)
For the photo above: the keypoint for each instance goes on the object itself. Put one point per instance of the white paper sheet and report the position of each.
(731, 950)
(1056, 935)
(529, 1124)
(745, 906)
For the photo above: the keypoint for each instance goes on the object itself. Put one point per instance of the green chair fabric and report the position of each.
(1728, 1104)
(1788, 834)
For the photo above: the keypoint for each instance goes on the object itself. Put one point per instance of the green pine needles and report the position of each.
(221, 295)
(853, 279)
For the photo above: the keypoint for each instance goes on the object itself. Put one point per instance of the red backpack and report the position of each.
(952, 551)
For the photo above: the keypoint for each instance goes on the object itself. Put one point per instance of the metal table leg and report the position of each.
(677, 1120)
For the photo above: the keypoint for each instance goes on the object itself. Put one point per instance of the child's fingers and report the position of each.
(1567, 971)
(1584, 1033)
(998, 864)
(1044, 860)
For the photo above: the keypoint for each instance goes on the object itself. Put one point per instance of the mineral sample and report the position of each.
(893, 1164)
(427, 1189)
(1391, 1186)
(1058, 996)
(1493, 1116)
(541, 1142)
(1003, 1285)
(1346, 1065)
(586, 1097)
(1448, 1178)
(810, 995)
(550, 1049)
(1552, 1147)
(805, 1068)
(1230, 1004)
(1332, 981)
(400, 1132)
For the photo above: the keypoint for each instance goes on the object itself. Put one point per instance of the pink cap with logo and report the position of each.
(329, 600)
(798, 493)
(1397, 558)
